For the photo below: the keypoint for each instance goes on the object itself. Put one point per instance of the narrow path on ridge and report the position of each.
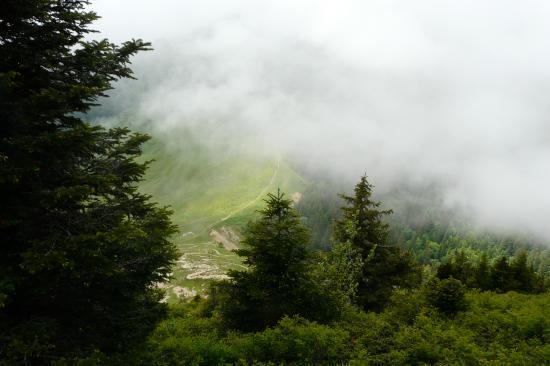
(202, 255)
(250, 203)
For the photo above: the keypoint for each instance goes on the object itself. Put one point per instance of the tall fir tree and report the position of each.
(458, 267)
(81, 247)
(524, 277)
(385, 266)
(504, 275)
(483, 273)
(279, 279)
(501, 275)
(446, 295)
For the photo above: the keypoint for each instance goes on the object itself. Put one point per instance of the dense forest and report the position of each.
(421, 225)
(333, 279)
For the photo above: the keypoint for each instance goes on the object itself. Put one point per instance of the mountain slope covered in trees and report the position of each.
(88, 257)
(205, 184)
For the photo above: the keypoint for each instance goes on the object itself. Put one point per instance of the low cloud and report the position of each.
(431, 92)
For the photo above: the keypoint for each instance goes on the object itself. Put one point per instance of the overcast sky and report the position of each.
(448, 92)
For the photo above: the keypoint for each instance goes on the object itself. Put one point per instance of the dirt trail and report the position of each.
(250, 203)
(203, 267)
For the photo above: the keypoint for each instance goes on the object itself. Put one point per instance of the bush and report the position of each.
(495, 329)
(296, 341)
(448, 295)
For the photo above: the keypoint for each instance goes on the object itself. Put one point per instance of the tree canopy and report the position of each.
(82, 248)
(279, 278)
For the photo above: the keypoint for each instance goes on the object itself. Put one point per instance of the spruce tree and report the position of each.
(501, 275)
(445, 270)
(279, 280)
(81, 247)
(447, 295)
(369, 229)
(462, 267)
(483, 273)
(385, 266)
(524, 277)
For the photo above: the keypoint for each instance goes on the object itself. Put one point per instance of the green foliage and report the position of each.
(82, 248)
(340, 271)
(279, 279)
(319, 207)
(502, 276)
(366, 217)
(295, 341)
(385, 267)
(524, 277)
(460, 268)
(186, 339)
(435, 235)
(482, 274)
(495, 329)
(446, 295)
(422, 226)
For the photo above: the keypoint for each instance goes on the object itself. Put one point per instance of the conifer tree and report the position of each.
(524, 277)
(445, 270)
(482, 273)
(458, 267)
(385, 266)
(278, 281)
(369, 228)
(462, 267)
(81, 247)
(446, 295)
(501, 275)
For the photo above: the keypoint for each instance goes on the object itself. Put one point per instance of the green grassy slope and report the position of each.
(210, 188)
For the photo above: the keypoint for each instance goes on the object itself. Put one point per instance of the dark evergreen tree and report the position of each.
(501, 275)
(445, 270)
(81, 247)
(278, 281)
(458, 267)
(385, 266)
(364, 214)
(524, 278)
(463, 270)
(447, 295)
(483, 273)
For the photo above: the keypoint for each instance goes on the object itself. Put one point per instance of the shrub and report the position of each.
(447, 295)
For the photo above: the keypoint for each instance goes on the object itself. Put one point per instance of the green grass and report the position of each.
(209, 188)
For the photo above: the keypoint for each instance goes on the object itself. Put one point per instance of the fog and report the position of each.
(418, 93)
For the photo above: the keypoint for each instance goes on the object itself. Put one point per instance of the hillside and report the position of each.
(213, 192)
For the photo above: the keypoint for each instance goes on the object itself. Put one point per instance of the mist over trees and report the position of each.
(330, 280)
(377, 85)
(385, 266)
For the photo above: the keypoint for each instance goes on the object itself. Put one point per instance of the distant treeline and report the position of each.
(423, 228)
(502, 276)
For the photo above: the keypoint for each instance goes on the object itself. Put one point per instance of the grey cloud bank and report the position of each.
(445, 92)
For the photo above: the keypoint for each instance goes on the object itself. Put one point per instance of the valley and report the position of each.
(214, 191)
(213, 196)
